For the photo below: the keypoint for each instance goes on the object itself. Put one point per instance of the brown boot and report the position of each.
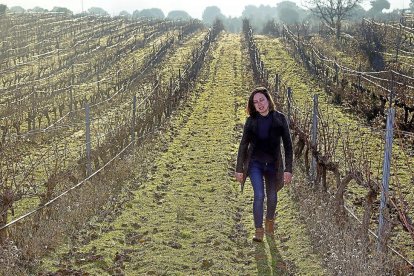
(270, 227)
(258, 237)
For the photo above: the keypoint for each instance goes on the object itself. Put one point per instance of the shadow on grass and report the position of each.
(279, 267)
(262, 263)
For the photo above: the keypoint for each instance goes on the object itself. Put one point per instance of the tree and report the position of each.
(271, 28)
(17, 9)
(211, 13)
(125, 14)
(233, 24)
(258, 16)
(152, 13)
(373, 44)
(333, 12)
(358, 13)
(183, 15)
(98, 11)
(136, 14)
(62, 10)
(378, 5)
(412, 5)
(218, 25)
(3, 9)
(38, 10)
(288, 12)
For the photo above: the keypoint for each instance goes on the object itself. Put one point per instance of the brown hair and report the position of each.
(251, 110)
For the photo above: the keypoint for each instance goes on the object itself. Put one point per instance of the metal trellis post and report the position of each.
(392, 89)
(381, 246)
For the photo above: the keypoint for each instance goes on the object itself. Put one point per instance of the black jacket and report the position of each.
(279, 129)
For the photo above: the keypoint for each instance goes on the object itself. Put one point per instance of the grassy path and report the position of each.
(188, 216)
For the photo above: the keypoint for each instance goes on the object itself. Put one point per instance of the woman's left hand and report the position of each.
(287, 177)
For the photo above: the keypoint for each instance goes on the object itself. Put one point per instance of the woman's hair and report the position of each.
(251, 110)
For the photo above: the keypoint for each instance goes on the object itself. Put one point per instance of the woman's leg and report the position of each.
(271, 194)
(256, 177)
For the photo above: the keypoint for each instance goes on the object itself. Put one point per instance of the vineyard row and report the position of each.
(366, 91)
(332, 152)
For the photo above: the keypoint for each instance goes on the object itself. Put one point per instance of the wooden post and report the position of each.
(33, 108)
(73, 74)
(386, 171)
(72, 81)
(398, 45)
(97, 80)
(179, 78)
(118, 78)
(277, 81)
(58, 51)
(88, 140)
(172, 99)
(134, 108)
(261, 69)
(71, 100)
(289, 104)
(314, 137)
(336, 73)
(325, 78)
(314, 63)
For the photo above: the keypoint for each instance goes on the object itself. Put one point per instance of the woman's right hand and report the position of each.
(239, 177)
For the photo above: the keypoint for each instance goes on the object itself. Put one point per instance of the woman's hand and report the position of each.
(287, 177)
(239, 177)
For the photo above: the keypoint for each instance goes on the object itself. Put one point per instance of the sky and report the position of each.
(194, 8)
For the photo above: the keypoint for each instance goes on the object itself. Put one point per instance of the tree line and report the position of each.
(331, 12)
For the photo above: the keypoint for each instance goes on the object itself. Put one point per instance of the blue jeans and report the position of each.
(261, 174)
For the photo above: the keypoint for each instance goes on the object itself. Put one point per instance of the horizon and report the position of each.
(229, 8)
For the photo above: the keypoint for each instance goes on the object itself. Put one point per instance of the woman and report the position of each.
(260, 157)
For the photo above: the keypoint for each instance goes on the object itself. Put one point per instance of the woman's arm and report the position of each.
(287, 145)
(244, 144)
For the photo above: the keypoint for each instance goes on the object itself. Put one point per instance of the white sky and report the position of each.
(195, 8)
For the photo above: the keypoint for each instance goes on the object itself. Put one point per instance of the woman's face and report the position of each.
(261, 104)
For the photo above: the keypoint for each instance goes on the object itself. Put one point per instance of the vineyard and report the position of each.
(119, 139)
(341, 146)
(368, 71)
(56, 111)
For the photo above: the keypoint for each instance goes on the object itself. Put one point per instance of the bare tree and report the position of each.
(3, 9)
(333, 12)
